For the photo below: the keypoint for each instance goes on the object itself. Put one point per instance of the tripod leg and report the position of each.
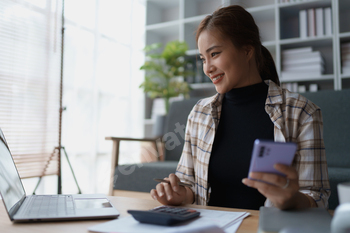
(71, 169)
(37, 184)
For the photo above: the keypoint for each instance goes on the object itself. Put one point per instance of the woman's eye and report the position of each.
(202, 59)
(214, 54)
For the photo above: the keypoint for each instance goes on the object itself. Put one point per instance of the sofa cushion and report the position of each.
(335, 107)
(336, 175)
(139, 177)
(178, 113)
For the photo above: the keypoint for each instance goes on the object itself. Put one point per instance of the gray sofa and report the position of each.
(139, 177)
(335, 106)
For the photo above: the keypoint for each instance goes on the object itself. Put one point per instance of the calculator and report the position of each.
(164, 215)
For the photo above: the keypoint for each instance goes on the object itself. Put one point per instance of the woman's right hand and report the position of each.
(171, 194)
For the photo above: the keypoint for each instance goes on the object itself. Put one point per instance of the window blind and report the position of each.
(30, 66)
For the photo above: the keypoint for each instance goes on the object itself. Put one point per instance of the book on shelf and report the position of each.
(319, 22)
(292, 87)
(308, 55)
(315, 22)
(311, 22)
(313, 87)
(301, 88)
(300, 61)
(297, 50)
(299, 74)
(306, 68)
(303, 24)
(328, 21)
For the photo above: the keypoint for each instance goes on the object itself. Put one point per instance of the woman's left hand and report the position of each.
(283, 192)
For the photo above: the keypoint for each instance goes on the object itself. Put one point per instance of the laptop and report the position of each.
(310, 220)
(28, 208)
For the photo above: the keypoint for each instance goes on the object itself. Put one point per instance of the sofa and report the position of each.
(335, 106)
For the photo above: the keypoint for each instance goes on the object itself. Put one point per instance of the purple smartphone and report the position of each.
(267, 153)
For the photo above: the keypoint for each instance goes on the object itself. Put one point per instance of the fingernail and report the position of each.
(244, 181)
(154, 197)
(169, 197)
(175, 188)
(161, 194)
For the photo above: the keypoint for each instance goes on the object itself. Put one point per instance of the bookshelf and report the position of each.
(278, 21)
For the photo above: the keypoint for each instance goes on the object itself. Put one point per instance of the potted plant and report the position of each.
(165, 71)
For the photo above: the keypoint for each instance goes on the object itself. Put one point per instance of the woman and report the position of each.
(249, 104)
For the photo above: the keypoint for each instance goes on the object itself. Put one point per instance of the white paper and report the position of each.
(233, 228)
(212, 220)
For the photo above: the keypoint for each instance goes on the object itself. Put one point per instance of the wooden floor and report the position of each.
(123, 193)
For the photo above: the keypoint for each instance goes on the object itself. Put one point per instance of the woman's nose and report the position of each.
(209, 69)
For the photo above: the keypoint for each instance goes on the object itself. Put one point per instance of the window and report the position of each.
(102, 56)
(30, 48)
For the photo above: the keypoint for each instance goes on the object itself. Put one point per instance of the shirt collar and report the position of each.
(274, 96)
(275, 93)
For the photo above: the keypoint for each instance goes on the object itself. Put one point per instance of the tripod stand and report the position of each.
(59, 182)
(59, 148)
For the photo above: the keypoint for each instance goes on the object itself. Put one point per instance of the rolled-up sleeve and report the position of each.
(312, 163)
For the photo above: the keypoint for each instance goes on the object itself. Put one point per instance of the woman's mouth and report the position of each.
(217, 78)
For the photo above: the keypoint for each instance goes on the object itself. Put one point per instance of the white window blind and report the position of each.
(30, 63)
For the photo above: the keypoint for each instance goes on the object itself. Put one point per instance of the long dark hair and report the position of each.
(235, 23)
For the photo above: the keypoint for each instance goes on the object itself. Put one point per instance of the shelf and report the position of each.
(278, 25)
(192, 52)
(202, 85)
(248, 4)
(162, 26)
(304, 79)
(269, 44)
(162, 11)
(162, 33)
(200, 7)
(297, 6)
(345, 35)
(345, 76)
(257, 9)
(265, 19)
(310, 41)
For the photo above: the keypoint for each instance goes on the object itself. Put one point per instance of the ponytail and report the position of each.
(266, 66)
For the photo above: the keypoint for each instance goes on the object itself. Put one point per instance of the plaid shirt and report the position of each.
(295, 118)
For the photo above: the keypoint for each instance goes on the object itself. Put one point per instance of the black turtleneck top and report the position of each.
(243, 119)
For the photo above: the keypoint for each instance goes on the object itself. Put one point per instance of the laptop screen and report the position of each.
(11, 187)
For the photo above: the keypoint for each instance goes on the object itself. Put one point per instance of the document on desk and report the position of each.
(209, 221)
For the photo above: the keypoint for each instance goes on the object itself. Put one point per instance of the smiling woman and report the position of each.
(249, 105)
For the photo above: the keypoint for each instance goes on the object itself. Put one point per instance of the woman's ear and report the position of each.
(249, 51)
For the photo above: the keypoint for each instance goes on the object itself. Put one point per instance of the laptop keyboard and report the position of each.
(50, 206)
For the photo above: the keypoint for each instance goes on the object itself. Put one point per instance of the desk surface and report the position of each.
(250, 224)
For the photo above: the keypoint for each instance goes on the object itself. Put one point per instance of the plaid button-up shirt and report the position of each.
(295, 118)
